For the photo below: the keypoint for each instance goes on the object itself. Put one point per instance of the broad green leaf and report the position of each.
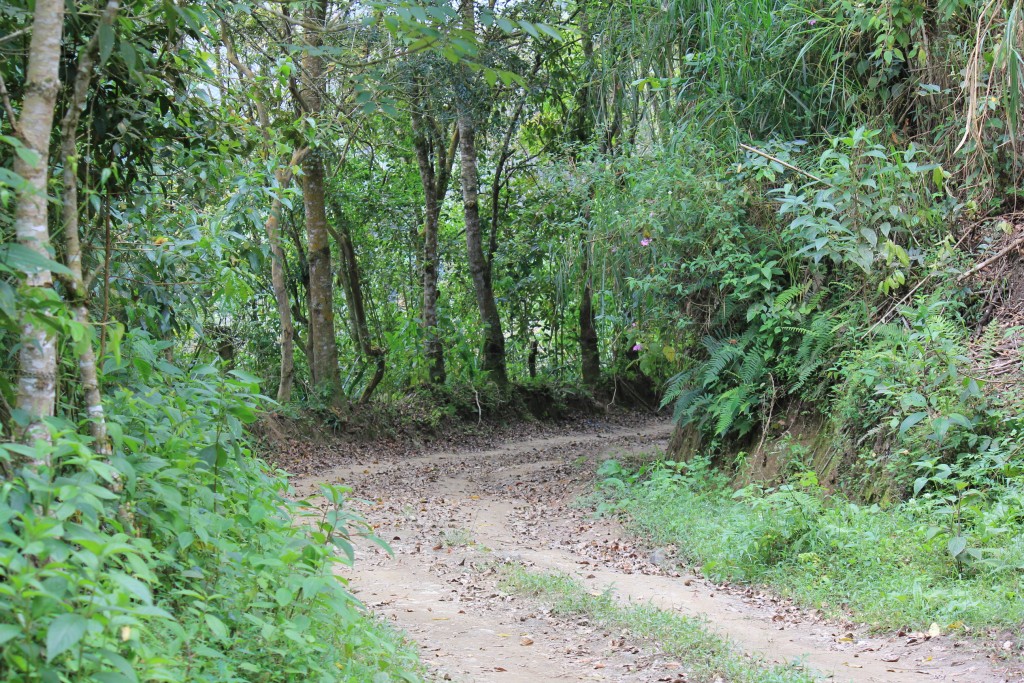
(914, 400)
(64, 633)
(9, 631)
(218, 627)
(106, 42)
(21, 258)
(910, 421)
(919, 484)
(549, 30)
(529, 28)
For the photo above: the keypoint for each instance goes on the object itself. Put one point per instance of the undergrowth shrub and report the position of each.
(888, 566)
(180, 559)
(791, 287)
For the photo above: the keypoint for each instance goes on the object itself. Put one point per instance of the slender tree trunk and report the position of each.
(322, 343)
(279, 282)
(352, 282)
(72, 240)
(435, 164)
(503, 156)
(479, 266)
(38, 357)
(278, 271)
(590, 356)
(589, 352)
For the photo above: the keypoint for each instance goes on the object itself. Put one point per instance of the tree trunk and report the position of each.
(278, 271)
(479, 266)
(590, 357)
(322, 343)
(72, 240)
(38, 357)
(589, 352)
(435, 164)
(352, 282)
(279, 282)
(531, 362)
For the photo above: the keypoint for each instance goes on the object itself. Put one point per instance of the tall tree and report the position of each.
(590, 353)
(38, 356)
(278, 266)
(435, 166)
(493, 360)
(78, 289)
(352, 283)
(322, 343)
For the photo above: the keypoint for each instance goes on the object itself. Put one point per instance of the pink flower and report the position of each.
(638, 347)
(812, 22)
(645, 242)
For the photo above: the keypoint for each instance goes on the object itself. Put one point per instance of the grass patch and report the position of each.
(890, 568)
(707, 656)
(456, 538)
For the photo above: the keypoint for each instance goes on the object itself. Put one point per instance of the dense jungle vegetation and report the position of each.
(794, 223)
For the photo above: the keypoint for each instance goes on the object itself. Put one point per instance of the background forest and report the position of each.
(794, 223)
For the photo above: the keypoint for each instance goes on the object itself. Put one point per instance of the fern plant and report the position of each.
(791, 337)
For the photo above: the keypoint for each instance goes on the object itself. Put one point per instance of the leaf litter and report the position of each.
(453, 508)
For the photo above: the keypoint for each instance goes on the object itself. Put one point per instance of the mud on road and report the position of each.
(450, 516)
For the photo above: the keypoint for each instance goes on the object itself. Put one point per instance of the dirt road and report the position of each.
(448, 516)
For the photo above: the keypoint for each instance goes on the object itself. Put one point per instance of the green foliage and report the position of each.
(892, 567)
(872, 203)
(762, 197)
(180, 559)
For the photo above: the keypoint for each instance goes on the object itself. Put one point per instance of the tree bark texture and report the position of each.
(38, 356)
(435, 164)
(279, 282)
(493, 360)
(352, 283)
(589, 350)
(322, 344)
(72, 241)
(479, 266)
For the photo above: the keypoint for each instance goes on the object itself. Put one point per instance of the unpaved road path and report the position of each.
(448, 516)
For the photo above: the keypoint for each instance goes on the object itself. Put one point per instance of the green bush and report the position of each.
(180, 559)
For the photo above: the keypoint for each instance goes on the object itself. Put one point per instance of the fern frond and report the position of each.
(686, 400)
(729, 405)
(753, 367)
(789, 295)
(676, 386)
(713, 370)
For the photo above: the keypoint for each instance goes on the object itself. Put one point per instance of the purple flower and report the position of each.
(645, 242)
(812, 22)
(638, 347)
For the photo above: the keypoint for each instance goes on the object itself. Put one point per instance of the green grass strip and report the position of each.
(706, 656)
